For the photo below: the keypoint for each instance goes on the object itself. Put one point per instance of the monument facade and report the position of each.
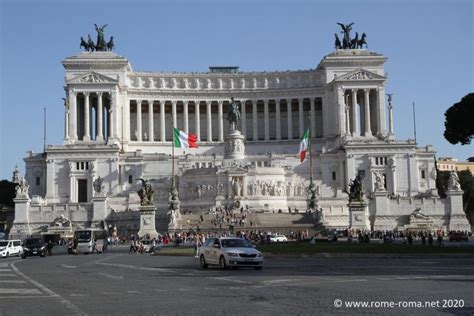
(118, 126)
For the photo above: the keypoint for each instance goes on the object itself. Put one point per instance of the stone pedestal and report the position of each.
(358, 215)
(99, 208)
(457, 217)
(234, 147)
(21, 225)
(381, 217)
(147, 221)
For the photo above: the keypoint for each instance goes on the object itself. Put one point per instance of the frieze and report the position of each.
(92, 77)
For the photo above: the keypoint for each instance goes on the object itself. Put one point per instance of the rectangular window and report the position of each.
(334, 175)
(37, 180)
(423, 175)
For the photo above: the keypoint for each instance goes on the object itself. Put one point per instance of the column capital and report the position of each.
(99, 93)
(301, 99)
(139, 100)
(354, 90)
(86, 93)
(151, 101)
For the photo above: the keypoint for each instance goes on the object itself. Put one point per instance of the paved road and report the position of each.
(117, 283)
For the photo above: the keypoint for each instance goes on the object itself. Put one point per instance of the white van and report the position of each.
(10, 248)
(90, 240)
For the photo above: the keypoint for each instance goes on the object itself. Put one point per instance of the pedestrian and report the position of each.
(132, 245)
(50, 247)
(440, 240)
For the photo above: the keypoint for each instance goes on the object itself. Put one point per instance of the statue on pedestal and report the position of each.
(453, 182)
(22, 188)
(234, 114)
(98, 186)
(356, 191)
(146, 193)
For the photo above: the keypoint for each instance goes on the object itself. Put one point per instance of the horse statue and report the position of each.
(354, 41)
(90, 43)
(84, 44)
(110, 44)
(362, 41)
(356, 190)
(234, 114)
(337, 43)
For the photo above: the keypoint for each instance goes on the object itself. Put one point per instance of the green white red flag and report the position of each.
(183, 140)
(304, 144)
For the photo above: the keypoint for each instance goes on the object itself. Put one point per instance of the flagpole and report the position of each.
(172, 160)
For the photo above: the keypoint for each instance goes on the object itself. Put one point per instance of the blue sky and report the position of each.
(429, 45)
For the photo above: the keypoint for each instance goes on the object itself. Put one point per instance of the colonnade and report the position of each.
(363, 112)
(88, 116)
(265, 117)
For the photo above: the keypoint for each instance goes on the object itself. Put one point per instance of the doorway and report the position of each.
(82, 190)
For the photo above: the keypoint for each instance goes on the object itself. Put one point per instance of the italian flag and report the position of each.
(304, 144)
(183, 140)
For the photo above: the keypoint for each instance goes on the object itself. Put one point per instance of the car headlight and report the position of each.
(26, 249)
(259, 255)
(43, 248)
(232, 254)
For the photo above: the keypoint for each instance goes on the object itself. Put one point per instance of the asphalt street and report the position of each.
(118, 283)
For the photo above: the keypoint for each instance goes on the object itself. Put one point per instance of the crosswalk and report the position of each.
(14, 285)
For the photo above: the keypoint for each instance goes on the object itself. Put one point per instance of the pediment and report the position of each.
(360, 75)
(92, 77)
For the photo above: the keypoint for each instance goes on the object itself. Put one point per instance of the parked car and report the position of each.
(229, 252)
(33, 247)
(458, 236)
(10, 248)
(278, 238)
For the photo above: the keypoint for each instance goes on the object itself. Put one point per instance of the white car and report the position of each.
(229, 252)
(278, 238)
(10, 248)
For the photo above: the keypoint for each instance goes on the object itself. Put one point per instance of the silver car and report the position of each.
(229, 252)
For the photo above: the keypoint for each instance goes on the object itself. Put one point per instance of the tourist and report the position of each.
(440, 239)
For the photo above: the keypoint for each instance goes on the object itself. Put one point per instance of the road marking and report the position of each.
(20, 291)
(12, 281)
(128, 266)
(353, 280)
(68, 267)
(184, 289)
(133, 292)
(73, 308)
(383, 279)
(111, 276)
(229, 279)
(111, 293)
(161, 290)
(78, 294)
(5, 270)
(7, 275)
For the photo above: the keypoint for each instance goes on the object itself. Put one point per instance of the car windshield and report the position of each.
(83, 236)
(235, 243)
(146, 242)
(3, 243)
(34, 241)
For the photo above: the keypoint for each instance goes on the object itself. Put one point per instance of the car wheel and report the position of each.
(7, 255)
(23, 256)
(222, 263)
(258, 268)
(202, 262)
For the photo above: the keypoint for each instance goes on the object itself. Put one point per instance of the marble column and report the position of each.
(174, 114)
(66, 121)
(301, 116)
(367, 130)
(186, 116)
(220, 121)
(289, 117)
(278, 119)
(139, 120)
(209, 121)
(151, 131)
(254, 120)
(100, 111)
(198, 120)
(114, 124)
(342, 123)
(244, 117)
(73, 114)
(87, 135)
(162, 121)
(266, 120)
(381, 120)
(354, 130)
(312, 113)
(390, 115)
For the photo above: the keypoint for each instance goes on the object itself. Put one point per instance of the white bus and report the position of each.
(90, 240)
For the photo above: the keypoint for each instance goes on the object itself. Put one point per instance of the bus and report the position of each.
(89, 240)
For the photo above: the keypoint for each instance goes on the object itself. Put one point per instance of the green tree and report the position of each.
(459, 118)
(7, 193)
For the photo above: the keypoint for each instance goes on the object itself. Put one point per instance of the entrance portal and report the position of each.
(82, 190)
